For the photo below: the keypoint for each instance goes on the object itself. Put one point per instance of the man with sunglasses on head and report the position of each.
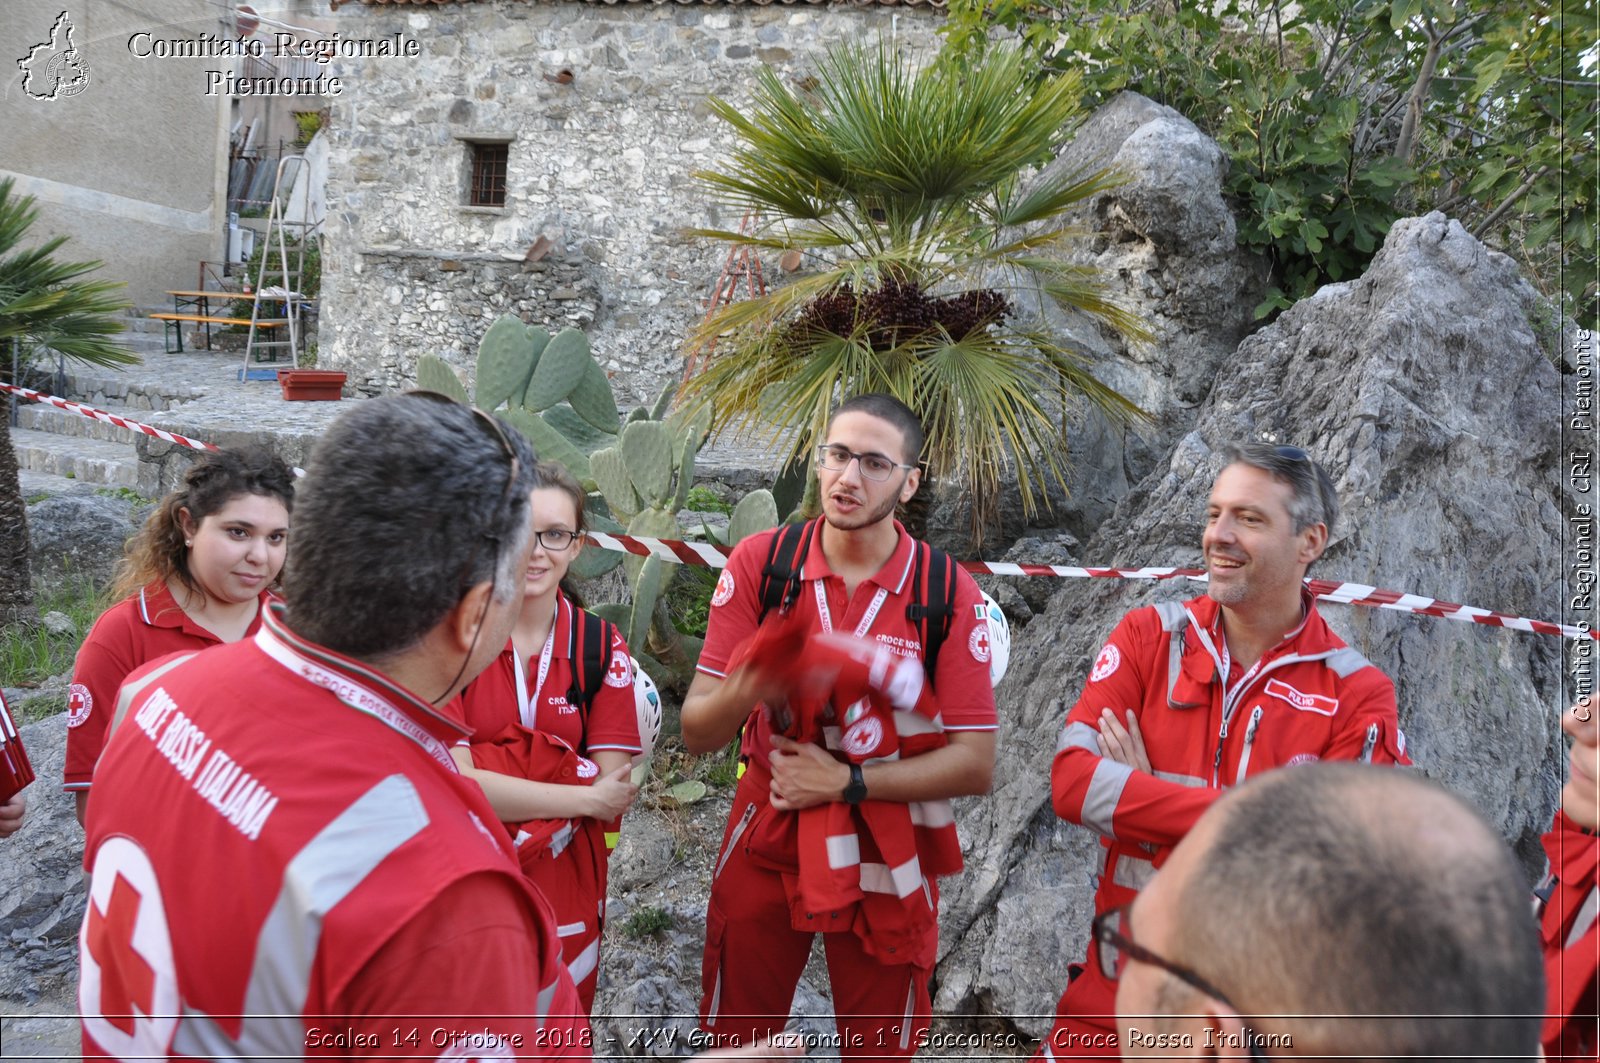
(1186, 699)
(792, 836)
(1336, 911)
(285, 861)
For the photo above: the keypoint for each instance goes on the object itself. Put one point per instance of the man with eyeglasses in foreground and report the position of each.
(794, 860)
(1335, 911)
(285, 861)
(1186, 699)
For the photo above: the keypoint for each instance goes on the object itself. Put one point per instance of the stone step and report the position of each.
(92, 461)
(56, 421)
(37, 486)
(106, 388)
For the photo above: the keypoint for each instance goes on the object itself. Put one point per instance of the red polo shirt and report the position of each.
(136, 630)
(490, 702)
(961, 685)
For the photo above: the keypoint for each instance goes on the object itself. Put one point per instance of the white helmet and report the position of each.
(999, 639)
(647, 705)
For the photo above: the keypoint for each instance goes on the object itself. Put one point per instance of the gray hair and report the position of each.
(1338, 892)
(1313, 501)
(406, 506)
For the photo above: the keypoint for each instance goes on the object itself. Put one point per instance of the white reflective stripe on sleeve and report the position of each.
(911, 723)
(900, 881)
(567, 930)
(1079, 736)
(1586, 917)
(938, 813)
(322, 874)
(1181, 780)
(543, 1002)
(831, 737)
(585, 962)
(561, 839)
(1105, 790)
(844, 850)
(1133, 872)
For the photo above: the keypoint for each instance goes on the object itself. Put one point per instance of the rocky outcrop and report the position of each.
(78, 538)
(1166, 244)
(1423, 389)
(41, 880)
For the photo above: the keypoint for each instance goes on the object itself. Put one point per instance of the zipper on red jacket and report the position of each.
(1249, 742)
(733, 839)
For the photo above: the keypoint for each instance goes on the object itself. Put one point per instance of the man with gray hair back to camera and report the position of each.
(1187, 699)
(1332, 911)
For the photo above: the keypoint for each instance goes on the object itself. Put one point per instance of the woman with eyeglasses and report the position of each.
(197, 574)
(555, 730)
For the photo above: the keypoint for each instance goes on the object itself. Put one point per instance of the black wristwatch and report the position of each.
(856, 792)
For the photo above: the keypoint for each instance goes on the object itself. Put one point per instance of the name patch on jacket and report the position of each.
(1317, 703)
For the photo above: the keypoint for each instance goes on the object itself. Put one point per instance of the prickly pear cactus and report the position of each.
(637, 472)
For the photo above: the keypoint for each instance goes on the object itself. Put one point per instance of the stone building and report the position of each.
(595, 113)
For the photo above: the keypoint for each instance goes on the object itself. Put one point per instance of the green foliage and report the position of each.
(931, 261)
(309, 284)
(44, 301)
(648, 922)
(1340, 116)
(307, 123)
(637, 472)
(702, 499)
(30, 654)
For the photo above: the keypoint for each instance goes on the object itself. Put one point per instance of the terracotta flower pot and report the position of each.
(311, 385)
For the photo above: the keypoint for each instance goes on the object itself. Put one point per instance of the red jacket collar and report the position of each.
(892, 576)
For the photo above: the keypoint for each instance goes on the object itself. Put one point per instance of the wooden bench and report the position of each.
(175, 322)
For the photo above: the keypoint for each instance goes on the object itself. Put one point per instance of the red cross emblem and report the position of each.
(127, 992)
(126, 980)
(979, 643)
(620, 674)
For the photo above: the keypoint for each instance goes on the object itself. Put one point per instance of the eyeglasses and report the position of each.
(1292, 454)
(513, 470)
(555, 540)
(834, 458)
(1112, 928)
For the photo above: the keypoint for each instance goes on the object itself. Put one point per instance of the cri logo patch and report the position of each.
(724, 589)
(1109, 660)
(79, 704)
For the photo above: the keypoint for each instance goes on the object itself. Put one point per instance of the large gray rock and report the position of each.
(41, 880)
(1167, 245)
(1423, 389)
(79, 537)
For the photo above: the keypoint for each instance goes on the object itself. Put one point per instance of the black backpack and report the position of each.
(590, 651)
(933, 594)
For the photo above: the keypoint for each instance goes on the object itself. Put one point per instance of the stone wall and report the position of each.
(600, 164)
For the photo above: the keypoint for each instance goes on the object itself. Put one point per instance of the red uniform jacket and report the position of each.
(1309, 698)
(354, 877)
(1571, 936)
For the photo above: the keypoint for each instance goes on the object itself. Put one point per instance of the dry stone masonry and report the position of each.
(603, 112)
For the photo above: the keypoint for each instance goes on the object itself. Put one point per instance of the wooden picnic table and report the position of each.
(194, 306)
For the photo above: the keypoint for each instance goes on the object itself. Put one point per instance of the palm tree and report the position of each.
(932, 262)
(42, 302)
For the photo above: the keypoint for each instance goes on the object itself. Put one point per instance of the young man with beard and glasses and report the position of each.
(1335, 911)
(1189, 698)
(850, 750)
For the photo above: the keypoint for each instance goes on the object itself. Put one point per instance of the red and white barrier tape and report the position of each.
(714, 556)
(1328, 590)
(108, 418)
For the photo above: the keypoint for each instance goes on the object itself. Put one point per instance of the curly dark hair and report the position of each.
(157, 551)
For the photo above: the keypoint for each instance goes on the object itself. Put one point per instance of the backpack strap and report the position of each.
(933, 602)
(784, 571)
(590, 652)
